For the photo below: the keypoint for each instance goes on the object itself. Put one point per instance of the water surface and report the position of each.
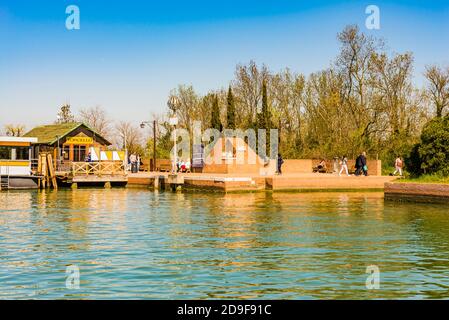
(132, 244)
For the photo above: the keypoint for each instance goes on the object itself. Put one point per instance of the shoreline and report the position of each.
(310, 182)
(417, 192)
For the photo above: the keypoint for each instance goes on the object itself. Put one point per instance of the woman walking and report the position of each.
(398, 164)
(344, 166)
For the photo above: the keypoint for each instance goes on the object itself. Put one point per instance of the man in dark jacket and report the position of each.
(360, 165)
(279, 164)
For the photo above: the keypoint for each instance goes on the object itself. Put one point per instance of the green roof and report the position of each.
(49, 134)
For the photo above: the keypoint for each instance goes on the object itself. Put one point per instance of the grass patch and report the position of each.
(428, 178)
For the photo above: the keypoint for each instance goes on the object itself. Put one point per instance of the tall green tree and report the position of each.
(264, 117)
(215, 115)
(230, 110)
(433, 151)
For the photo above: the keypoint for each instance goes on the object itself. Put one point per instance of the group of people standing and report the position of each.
(135, 161)
(183, 166)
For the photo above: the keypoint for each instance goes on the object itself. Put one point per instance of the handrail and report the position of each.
(98, 168)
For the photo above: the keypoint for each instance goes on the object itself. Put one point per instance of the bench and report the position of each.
(162, 165)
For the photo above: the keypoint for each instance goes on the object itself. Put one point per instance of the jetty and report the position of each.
(247, 183)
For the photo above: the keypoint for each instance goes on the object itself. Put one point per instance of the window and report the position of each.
(5, 153)
(14, 153)
(22, 153)
(79, 153)
(66, 152)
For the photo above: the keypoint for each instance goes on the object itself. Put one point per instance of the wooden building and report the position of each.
(68, 142)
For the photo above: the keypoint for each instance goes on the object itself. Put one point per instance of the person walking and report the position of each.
(344, 166)
(279, 164)
(364, 164)
(398, 165)
(360, 165)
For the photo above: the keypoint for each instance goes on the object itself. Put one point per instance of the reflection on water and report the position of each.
(138, 244)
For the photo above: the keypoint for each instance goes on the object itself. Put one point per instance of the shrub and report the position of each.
(431, 155)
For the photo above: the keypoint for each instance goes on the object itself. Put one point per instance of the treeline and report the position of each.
(364, 101)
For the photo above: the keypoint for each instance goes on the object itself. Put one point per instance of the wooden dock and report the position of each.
(106, 173)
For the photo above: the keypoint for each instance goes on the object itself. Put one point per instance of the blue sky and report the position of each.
(128, 55)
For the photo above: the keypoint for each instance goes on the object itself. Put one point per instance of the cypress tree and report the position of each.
(230, 110)
(215, 116)
(265, 116)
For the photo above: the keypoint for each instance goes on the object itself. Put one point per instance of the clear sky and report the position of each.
(128, 55)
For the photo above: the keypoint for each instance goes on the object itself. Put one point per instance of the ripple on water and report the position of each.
(138, 244)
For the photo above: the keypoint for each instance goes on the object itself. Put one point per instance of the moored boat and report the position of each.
(15, 163)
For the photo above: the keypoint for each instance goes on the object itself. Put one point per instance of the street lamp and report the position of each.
(125, 160)
(142, 125)
(173, 104)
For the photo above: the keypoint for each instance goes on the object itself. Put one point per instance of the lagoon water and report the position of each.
(133, 244)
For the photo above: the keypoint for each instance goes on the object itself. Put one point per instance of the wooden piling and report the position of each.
(51, 170)
(156, 182)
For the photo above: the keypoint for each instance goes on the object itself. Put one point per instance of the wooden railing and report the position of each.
(101, 168)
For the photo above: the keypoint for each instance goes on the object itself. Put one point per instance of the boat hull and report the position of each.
(17, 182)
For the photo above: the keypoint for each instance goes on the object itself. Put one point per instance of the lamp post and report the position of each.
(125, 160)
(142, 125)
(173, 104)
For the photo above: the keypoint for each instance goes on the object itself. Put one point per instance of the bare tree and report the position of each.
(438, 87)
(65, 115)
(128, 136)
(188, 108)
(248, 89)
(97, 119)
(365, 100)
(12, 130)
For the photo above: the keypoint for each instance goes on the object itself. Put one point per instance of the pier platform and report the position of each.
(88, 174)
(248, 183)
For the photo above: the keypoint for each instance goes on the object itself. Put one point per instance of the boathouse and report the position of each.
(68, 142)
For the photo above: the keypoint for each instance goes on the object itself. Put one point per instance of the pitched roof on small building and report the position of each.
(49, 134)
